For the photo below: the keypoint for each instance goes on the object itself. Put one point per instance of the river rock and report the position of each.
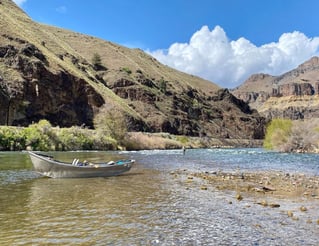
(303, 209)
(239, 197)
(263, 203)
(290, 213)
(203, 187)
(274, 205)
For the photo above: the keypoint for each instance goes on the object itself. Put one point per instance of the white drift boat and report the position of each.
(48, 166)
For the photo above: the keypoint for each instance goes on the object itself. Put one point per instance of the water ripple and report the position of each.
(149, 207)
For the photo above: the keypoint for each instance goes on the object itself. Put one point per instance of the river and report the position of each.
(147, 206)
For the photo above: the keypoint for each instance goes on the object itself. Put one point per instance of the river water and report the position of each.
(147, 206)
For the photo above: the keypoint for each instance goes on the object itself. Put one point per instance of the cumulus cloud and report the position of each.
(211, 55)
(19, 2)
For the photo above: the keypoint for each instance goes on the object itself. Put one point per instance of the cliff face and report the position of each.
(296, 89)
(39, 93)
(48, 73)
(293, 95)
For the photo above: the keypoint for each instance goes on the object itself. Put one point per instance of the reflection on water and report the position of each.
(143, 207)
(78, 210)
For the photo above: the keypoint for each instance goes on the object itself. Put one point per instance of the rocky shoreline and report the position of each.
(267, 189)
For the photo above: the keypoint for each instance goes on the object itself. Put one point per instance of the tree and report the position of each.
(112, 122)
(97, 61)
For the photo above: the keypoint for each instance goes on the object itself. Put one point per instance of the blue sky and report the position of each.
(224, 41)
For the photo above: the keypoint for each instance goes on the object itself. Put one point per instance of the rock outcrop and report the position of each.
(293, 95)
(48, 73)
(295, 89)
(39, 93)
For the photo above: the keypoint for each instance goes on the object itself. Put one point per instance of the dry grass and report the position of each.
(144, 101)
(17, 25)
(115, 57)
(144, 141)
(55, 42)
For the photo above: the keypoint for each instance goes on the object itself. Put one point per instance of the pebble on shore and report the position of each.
(262, 186)
(275, 184)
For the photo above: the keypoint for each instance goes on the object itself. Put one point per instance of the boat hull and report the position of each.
(55, 169)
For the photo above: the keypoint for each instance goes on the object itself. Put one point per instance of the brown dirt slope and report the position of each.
(47, 72)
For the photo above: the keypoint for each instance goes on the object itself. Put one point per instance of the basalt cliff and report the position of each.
(293, 95)
(49, 73)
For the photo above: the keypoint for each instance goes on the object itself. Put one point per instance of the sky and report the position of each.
(224, 41)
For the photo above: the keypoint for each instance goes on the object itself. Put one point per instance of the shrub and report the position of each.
(111, 122)
(277, 133)
(127, 70)
(40, 136)
(183, 139)
(304, 136)
(75, 138)
(103, 142)
(11, 138)
(96, 61)
(6, 136)
(292, 136)
(139, 141)
(163, 85)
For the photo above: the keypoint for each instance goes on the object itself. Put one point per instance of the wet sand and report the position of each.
(271, 184)
(269, 189)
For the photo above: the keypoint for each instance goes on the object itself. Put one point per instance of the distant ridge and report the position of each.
(294, 94)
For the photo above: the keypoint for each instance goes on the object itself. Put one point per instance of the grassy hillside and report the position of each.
(48, 72)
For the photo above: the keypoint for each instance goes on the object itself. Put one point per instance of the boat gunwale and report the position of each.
(68, 164)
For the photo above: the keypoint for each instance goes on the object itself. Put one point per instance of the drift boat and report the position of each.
(48, 166)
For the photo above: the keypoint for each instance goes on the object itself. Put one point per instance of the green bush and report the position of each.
(103, 142)
(97, 61)
(127, 70)
(40, 136)
(163, 85)
(11, 138)
(278, 132)
(75, 138)
(111, 122)
(182, 139)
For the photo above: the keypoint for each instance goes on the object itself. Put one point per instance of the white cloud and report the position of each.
(19, 2)
(61, 9)
(211, 55)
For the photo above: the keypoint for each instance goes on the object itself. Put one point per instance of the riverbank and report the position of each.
(268, 189)
(151, 141)
(43, 137)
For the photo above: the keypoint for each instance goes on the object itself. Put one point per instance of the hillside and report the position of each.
(293, 95)
(48, 73)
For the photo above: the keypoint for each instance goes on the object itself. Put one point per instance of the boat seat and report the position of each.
(75, 162)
